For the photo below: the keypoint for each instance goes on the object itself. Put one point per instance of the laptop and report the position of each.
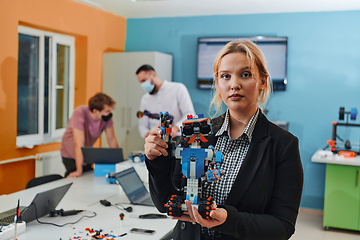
(134, 187)
(43, 203)
(102, 155)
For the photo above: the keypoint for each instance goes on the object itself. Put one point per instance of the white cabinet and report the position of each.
(121, 84)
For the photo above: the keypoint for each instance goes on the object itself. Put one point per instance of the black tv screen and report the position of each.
(274, 49)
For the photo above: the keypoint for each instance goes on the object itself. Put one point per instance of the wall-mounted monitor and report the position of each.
(274, 49)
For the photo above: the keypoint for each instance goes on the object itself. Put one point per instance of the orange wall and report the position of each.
(95, 32)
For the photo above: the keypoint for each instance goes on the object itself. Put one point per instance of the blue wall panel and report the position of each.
(323, 70)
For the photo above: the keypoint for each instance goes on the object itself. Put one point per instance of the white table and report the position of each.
(323, 156)
(85, 194)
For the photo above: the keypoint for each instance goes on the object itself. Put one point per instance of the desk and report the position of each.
(85, 194)
(322, 156)
(342, 190)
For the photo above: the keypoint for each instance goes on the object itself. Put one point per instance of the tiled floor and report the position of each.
(309, 227)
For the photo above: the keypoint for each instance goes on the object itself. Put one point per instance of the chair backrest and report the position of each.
(44, 179)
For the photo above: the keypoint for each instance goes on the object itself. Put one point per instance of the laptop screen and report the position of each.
(44, 202)
(102, 155)
(131, 184)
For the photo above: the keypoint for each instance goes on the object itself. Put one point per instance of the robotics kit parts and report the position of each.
(175, 207)
(198, 165)
(137, 156)
(343, 149)
(352, 113)
(141, 114)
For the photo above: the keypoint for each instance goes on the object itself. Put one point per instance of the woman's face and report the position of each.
(238, 88)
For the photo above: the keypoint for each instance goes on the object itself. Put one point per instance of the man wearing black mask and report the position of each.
(162, 96)
(85, 126)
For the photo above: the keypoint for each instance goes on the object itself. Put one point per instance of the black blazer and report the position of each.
(264, 200)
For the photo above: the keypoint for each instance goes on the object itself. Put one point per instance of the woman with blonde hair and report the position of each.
(259, 194)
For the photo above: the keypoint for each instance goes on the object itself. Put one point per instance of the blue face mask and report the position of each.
(148, 86)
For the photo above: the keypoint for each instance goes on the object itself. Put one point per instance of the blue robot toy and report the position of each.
(198, 165)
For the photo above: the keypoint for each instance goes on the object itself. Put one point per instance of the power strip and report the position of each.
(8, 232)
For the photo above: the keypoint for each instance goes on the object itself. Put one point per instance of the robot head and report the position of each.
(196, 128)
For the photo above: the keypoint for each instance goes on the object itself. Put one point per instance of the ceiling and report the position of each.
(182, 8)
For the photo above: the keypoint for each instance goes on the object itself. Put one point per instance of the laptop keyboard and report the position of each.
(146, 201)
(8, 219)
(9, 215)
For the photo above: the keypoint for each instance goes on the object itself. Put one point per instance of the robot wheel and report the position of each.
(173, 206)
(205, 207)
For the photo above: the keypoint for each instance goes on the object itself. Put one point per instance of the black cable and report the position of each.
(128, 209)
(118, 207)
(106, 203)
(21, 213)
(337, 136)
(57, 225)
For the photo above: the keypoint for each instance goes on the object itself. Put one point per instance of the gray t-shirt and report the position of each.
(81, 119)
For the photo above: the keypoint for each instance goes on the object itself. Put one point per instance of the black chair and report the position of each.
(41, 180)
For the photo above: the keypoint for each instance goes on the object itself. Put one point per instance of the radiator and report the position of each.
(45, 163)
(49, 163)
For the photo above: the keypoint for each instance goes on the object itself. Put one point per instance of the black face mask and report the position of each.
(107, 117)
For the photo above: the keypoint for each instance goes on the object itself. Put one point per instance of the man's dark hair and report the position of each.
(99, 100)
(145, 67)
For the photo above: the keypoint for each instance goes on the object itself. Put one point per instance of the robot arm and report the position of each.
(215, 173)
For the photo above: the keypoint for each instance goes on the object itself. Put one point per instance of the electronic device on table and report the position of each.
(152, 216)
(142, 231)
(41, 205)
(133, 187)
(338, 145)
(7, 231)
(102, 155)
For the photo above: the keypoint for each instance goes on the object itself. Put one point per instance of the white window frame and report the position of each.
(54, 134)
(68, 41)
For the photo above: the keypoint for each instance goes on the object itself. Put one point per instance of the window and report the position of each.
(45, 99)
